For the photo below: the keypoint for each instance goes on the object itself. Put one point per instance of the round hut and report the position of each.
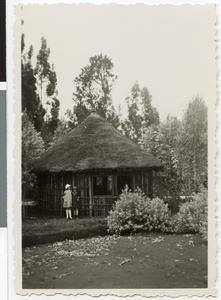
(98, 160)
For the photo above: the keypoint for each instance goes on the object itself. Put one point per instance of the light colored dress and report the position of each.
(67, 199)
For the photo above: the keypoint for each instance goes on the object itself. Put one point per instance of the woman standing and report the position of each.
(67, 204)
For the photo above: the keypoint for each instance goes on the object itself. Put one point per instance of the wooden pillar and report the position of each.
(62, 182)
(142, 182)
(150, 184)
(61, 194)
(134, 183)
(90, 195)
(115, 185)
(51, 174)
(146, 182)
(73, 180)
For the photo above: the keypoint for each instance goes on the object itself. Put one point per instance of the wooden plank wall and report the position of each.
(51, 189)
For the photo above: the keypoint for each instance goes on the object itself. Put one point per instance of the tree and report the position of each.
(30, 100)
(182, 148)
(47, 82)
(32, 148)
(92, 90)
(63, 128)
(194, 146)
(50, 124)
(163, 141)
(141, 113)
(44, 70)
(150, 113)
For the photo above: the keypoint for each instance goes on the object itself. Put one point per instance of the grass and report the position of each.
(147, 260)
(48, 230)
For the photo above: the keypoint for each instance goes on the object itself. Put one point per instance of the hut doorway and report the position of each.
(124, 180)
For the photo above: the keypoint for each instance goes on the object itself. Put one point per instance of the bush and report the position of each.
(173, 203)
(134, 211)
(192, 216)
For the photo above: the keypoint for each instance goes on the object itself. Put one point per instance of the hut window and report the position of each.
(102, 185)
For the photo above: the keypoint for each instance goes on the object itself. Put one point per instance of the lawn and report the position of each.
(149, 260)
(49, 230)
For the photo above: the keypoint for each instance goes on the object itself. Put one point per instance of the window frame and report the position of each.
(102, 195)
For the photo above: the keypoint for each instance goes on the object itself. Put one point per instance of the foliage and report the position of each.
(32, 148)
(62, 129)
(203, 230)
(31, 102)
(134, 211)
(194, 146)
(192, 216)
(93, 90)
(47, 81)
(44, 71)
(163, 142)
(43, 67)
(51, 124)
(141, 113)
(182, 148)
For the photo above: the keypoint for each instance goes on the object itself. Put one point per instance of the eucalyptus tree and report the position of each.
(47, 83)
(194, 147)
(141, 113)
(31, 102)
(92, 90)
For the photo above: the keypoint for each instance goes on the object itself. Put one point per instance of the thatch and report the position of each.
(95, 145)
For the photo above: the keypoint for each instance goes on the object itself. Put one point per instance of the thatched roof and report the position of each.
(94, 145)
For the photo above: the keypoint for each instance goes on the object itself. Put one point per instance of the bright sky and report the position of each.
(170, 49)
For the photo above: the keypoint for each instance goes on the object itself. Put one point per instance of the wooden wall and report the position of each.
(51, 189)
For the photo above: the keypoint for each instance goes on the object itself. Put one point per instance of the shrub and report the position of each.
(192, 216)
(134, 211)
(204, 229)
(173, 203)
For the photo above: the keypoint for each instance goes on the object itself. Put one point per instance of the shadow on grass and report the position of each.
(49, 230)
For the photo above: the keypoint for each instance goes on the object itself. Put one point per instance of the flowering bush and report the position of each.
(192, 216)
(134, 211)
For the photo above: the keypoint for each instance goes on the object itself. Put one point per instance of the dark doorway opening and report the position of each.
(122, 181)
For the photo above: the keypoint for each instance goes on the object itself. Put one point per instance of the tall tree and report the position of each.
(43, 71)
(32, 148)
(31, 103)
(194, 147)
(163, 141)
(51, 123)
(92, 90)
(141, 113)
(182, 147)
(149, 113)
(47, 82)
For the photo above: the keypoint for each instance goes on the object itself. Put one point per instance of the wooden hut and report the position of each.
(97, 159)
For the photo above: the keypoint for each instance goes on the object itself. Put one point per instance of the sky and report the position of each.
(169, 49)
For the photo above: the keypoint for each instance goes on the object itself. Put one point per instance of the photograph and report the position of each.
(115, 149)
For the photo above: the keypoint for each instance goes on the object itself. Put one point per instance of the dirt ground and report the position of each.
(149, 260)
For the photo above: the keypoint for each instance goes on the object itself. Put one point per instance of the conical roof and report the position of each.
(94, 145)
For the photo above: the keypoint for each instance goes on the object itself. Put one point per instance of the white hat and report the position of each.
(67, 186)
